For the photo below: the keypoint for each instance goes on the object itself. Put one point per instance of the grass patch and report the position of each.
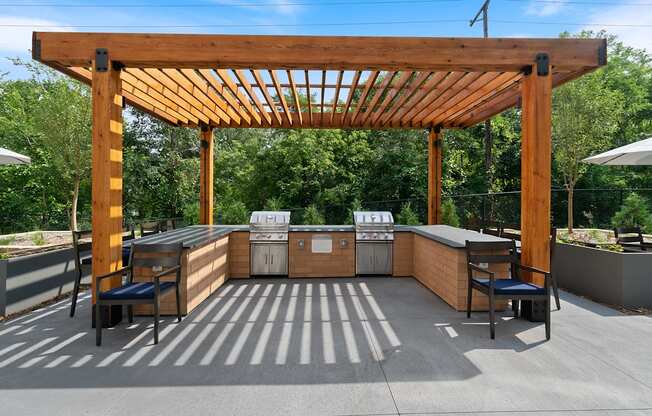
(5, 241)
(38, 239)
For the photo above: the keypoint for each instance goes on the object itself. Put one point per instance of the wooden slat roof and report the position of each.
(318, 81)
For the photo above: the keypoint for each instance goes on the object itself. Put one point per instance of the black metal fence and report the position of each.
(593, 208)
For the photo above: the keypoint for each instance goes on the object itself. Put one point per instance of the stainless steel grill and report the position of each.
(268, 241)
(373, 226)
(374, 241)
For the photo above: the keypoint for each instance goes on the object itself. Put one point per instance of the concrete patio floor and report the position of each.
(381, 346)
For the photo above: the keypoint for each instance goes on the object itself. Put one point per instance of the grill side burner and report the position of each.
(268, 242)
(374, 242)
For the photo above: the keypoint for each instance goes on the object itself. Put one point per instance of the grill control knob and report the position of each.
(375, 236)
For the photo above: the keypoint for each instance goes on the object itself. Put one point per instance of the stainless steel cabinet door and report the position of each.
(259, 259)
(382, 258)
(278, 259)
(364, 258)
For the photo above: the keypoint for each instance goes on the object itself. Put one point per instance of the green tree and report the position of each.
(585, 115)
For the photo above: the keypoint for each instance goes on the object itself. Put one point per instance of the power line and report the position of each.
(591, 2)
(222, 5)
(369, 23)
(297, 3)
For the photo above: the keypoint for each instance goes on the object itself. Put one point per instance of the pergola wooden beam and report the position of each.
(270, 102)
(240, 75)
(316, 52)
(295, 97)
(371, 80)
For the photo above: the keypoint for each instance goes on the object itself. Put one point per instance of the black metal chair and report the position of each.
(82, 247)
(166, 262)
(81, 244)
(512, 288)
(150, 228)
(631, 239)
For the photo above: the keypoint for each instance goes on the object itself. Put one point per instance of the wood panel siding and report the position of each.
(305, 263)
(403, 254)
(443, 270)
(239, 255)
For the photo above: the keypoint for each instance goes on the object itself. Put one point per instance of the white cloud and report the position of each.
(640, 37)
(544, 9)
(17, 36)
(277, 6)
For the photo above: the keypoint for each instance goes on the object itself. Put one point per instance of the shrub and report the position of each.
(312, 216)
(449, 213)
(234, 212)
(273, 204)
(356, 205)
(191, 214)
(633, 213)
(407, 216)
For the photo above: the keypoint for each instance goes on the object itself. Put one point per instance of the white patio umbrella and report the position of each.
(637, 153)
(7, 157)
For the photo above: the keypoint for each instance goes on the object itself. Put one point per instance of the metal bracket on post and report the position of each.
(101, 59)
(543, 64)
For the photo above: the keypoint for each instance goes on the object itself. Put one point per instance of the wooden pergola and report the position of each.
(237, 81)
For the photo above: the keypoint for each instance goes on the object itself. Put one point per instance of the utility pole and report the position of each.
(488, 140)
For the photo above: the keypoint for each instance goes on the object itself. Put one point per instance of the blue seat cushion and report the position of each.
(125, 257)
(140, 290)
(512, 287)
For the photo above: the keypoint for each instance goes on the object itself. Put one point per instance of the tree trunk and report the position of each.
(570, 208)
(73, 208)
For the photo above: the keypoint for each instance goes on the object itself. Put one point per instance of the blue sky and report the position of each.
(508, 18)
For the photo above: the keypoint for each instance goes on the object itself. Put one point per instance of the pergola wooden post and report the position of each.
(107, 175)
(434, 175)
(206, 176)
(536, 125)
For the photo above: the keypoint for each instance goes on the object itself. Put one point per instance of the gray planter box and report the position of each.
(29, 280)
(605, 276)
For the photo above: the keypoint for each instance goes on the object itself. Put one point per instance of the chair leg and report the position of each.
(555, 290)
(469, 300)
(156, 319)
(98, 324)
(516, 304)
(178, 304)
(130, 313)
(492, 316)
(75, 294)
(548, 319)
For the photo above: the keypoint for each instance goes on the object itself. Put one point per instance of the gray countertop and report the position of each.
(322, 228)
(452, 236)
(197, 235)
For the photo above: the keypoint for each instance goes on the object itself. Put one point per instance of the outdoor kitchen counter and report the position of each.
(439, 263)
(204, 264)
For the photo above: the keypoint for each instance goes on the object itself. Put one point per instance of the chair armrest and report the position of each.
(120, 271)
(166, 272)
(480, 269)
(534, 270)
